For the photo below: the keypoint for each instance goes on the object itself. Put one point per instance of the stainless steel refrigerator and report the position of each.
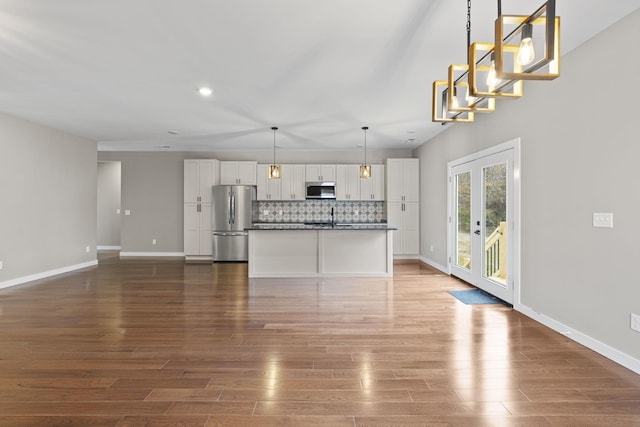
(231, 215)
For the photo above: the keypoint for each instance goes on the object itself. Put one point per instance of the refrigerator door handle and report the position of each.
(233, 208)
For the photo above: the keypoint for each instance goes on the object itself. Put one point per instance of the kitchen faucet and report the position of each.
(333, 221)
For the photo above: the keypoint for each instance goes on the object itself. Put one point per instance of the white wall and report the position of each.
(579, 155)
(108, 204)
(47, 200)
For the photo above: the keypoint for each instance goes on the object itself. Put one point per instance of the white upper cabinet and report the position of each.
(347, 182)
(292, 182)
(373, 188)
(268, 189)
(320, 172)
(238, 173)
(402, 180)
(199, 178)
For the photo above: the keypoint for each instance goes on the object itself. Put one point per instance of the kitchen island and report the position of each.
(320, 250)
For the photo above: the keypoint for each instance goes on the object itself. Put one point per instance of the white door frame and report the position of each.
(513, 254)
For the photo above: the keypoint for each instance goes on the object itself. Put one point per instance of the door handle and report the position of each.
(477, 232)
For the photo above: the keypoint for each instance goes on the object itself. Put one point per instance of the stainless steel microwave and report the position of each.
(321, 190)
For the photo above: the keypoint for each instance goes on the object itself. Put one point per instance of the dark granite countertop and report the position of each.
(320, 226)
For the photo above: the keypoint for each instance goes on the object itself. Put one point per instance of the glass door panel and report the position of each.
(463, 220)
(495, 219)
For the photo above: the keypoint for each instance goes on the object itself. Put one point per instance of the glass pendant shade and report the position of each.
(532, 42)
(440, 111)
(274, 169)
(365, 169)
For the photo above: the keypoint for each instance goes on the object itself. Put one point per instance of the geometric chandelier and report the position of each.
(525, 47)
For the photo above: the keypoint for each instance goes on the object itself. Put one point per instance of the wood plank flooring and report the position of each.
(143, 342)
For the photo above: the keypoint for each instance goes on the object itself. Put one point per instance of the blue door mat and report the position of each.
(476, 296)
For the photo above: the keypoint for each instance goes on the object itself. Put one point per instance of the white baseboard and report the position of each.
(405, 257)
(45, 274)
(151, 254)
(435, 265)
(205, 258)
(587, 341)
(109, 248)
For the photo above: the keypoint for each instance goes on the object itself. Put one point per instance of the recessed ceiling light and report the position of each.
(411, 131)
(164, 147)
(410, 140)
(173, 132)
(205, 91)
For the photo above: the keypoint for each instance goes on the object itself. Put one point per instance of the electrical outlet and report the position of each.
(153, 241)
(87, 249)
(117, 211)
(635, 322)
(431, 248)
(127, 212)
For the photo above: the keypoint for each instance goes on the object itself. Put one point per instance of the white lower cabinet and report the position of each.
(197, 230)
(406, 218)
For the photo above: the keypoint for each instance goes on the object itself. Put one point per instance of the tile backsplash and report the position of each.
(318, 211)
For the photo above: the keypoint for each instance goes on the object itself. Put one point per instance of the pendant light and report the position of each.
(515, 37)
(274, 169)
(365, 169)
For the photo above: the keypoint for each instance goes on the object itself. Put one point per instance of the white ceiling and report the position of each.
(126, 72)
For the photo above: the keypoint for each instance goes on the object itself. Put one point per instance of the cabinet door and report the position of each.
(247, 173)
(411, 180)
(191, 229)
(394, 219)
(312, 173)
(377, 181)
(348, 182)
(191, 181)
(292, 185)
(393, 180)
(328, 172)
(268, 189)
(228, 173)
(320, 172)
(206, 179)
(373, 188)
(205, 235)
(410, 229)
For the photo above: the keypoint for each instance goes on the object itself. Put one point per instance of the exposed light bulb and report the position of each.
(454, 102)
(526, 52)
(469, 98)
(492, 77)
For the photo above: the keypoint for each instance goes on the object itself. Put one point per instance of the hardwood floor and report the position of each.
(164, 343)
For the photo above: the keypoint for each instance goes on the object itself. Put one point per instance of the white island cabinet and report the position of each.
(321, 252)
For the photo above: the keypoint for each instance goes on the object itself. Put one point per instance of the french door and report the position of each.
(482, 222)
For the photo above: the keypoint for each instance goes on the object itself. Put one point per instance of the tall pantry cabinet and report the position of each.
(199, 177)
(402, 188)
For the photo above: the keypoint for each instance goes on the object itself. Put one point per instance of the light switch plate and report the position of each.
(603, 219)
(127, 212)
(635, 322)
